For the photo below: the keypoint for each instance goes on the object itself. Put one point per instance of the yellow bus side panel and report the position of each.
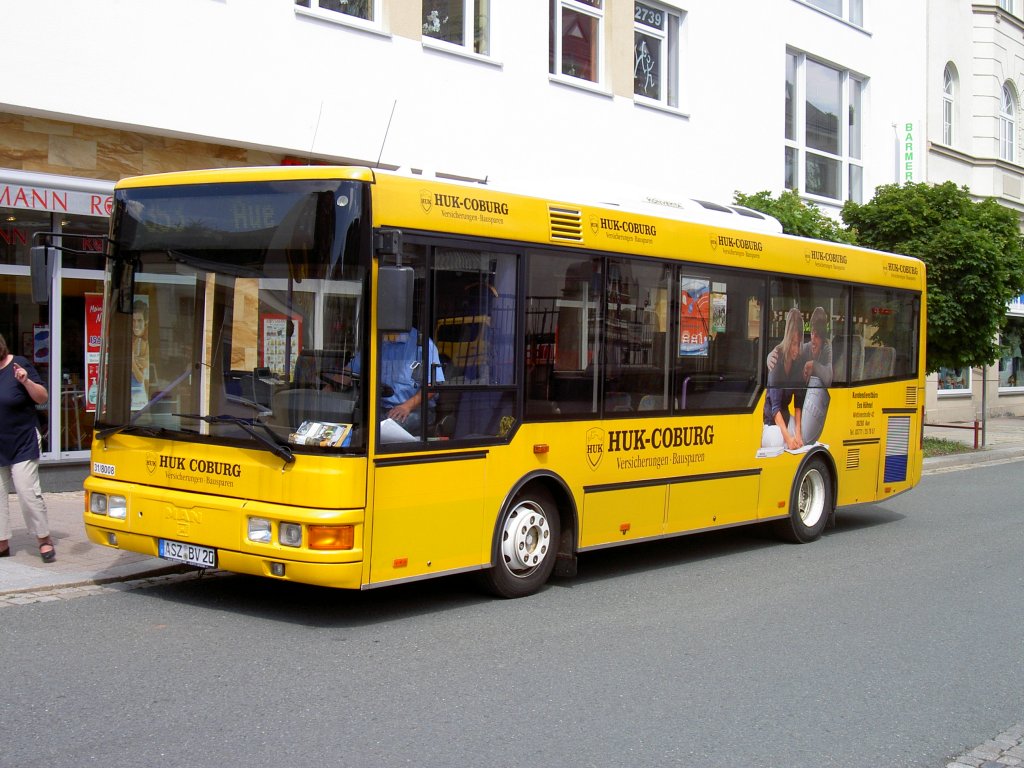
(709, 503)
(859, 473)
(427, 518)
(622, 515)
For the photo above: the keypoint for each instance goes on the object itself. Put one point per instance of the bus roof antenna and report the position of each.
(386, 131)
(316, 129)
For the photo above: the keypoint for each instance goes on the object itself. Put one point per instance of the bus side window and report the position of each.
(474, 322)
(562, 316)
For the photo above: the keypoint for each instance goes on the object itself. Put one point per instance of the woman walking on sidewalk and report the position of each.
(21, 390)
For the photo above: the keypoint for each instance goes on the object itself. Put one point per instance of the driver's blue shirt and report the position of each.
(401, 360)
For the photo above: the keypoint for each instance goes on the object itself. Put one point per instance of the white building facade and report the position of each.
(975, 84)
(695, 98)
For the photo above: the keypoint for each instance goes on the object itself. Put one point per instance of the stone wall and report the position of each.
(42, 145)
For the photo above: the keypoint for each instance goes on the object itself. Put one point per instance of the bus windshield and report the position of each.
(232, 310)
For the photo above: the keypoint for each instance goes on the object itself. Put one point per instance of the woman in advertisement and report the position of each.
(785, 387)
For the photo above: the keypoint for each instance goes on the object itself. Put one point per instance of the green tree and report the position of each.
(974, 256)
(796, 216)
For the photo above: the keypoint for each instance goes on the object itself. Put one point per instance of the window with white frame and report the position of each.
(948, 104)
(1008, 125)
(851, 10)
(823, 127)
(465, 23)
(355, 9)
(576, 29)
(656, 31)
(1006, 5)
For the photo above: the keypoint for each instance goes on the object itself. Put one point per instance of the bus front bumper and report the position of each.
(337, 575)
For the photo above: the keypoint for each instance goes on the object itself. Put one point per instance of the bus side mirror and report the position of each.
(41, 269)
(394, 298)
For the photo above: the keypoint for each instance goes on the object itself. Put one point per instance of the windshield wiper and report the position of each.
(272, 444)
(138, 429)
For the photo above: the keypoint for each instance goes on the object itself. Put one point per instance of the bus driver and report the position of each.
(401, 361)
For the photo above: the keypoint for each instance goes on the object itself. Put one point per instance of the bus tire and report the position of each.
(525, 545)
(810, 503)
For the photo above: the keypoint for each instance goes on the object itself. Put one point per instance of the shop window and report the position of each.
(954, 381)
(17, 227)
(87, 249)
(1010, 367)
(465, 23)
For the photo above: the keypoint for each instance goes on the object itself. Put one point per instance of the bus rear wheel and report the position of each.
(525, 546)
(810, 504)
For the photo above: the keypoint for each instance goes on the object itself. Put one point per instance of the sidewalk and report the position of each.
(81, 562)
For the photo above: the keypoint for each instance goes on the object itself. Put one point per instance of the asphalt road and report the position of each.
(894, 641)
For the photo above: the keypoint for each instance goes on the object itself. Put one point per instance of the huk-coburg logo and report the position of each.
(595, 224)
(595, 446)
(426, 200)
(714, 243)
(151, 462)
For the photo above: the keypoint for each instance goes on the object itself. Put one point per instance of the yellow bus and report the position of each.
(272, 400)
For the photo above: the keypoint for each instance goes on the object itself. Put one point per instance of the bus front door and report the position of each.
(427, 516)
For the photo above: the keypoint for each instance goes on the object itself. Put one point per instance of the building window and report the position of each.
(354, 9)
(1008, 126)
(465, 23)
(576, 28)
(656, 31)
(823, 154)
(851, 10)
(1006, 5)
(948, 101)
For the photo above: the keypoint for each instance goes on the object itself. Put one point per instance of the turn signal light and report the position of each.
(332, 536)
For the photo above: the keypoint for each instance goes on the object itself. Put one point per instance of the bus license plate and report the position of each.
(204, 557)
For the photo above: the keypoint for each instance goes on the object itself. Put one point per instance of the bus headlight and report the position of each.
(117, 507)
(290, 534)
(98, 503)
(259, 530)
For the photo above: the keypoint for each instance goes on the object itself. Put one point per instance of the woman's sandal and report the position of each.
(5, 552)
(49, 556)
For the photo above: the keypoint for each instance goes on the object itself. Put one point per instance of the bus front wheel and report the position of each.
(810, 504)
(525, 546)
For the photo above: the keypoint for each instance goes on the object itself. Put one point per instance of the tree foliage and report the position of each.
(796, 216)
(974, 256)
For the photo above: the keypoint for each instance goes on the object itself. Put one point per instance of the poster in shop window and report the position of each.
(93, 321)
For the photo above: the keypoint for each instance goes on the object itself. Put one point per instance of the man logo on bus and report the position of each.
(595, 446)
(426, 200)
(714, 242)
(595, 225)
(151, 462)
